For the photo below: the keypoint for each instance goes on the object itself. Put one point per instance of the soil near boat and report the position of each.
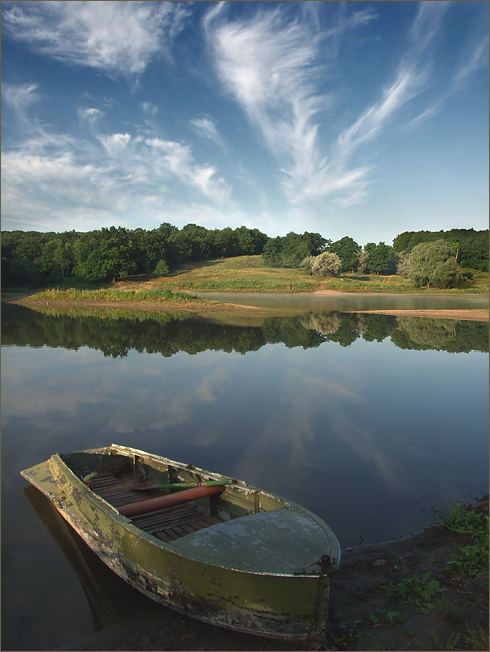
(358, 592)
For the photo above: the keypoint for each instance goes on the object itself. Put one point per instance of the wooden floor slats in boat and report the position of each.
(117, 490)
(167, 524)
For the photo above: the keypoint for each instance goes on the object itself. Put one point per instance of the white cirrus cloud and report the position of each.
(206, 128)
(115, 143)
(19, 96)
(177, 159)
(149, 108)
(116, 37)
(270, 66)
(90, 116)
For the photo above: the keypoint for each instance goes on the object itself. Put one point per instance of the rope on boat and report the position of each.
(326, 567)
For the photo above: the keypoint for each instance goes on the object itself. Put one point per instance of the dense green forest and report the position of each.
(35, 259)
(471, 246)
(115, 335)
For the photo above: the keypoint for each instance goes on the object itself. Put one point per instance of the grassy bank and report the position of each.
(74, 295)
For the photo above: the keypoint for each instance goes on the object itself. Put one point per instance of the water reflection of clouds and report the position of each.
(313, 404)
(180, 404)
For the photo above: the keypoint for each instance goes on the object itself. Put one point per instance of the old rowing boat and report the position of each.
(209, 546)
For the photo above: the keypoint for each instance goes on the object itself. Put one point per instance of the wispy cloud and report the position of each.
(476, 57)
(101, 176)
(19, 97)
(115, 144)
(428, 22)
(90, 116)
(149, 109)
(270, 64)
(116, 37)
(177, 159)
(266, 64)
(206, 128)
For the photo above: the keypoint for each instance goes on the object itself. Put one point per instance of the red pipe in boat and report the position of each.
(143, 506)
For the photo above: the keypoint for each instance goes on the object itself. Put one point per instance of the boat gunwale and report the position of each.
(126, 523)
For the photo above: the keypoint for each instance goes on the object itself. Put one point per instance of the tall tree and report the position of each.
(382, 259)
(425, 260)
(346, 249)
(111, 255)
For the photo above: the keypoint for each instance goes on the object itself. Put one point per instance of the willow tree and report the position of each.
(434, 264)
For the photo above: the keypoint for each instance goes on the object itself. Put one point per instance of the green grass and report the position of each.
(111, 296)
(250, 274)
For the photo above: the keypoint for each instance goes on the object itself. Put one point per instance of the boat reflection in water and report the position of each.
(111, 600)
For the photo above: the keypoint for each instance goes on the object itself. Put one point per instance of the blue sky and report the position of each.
(364, 119)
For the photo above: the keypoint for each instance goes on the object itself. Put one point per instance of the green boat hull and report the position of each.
(242, 574)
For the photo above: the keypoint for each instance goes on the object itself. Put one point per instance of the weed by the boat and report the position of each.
(471, 559)
(452, 611)
(451, 643)
(420, 592)
(343, 635)
(477, 639)
(383, 617)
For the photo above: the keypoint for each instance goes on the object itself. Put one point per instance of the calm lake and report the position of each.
(370, 421)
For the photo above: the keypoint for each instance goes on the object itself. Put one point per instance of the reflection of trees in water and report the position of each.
(441, 334)
(323, 322)
(116, 332)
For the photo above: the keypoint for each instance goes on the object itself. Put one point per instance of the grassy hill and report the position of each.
(249, 274)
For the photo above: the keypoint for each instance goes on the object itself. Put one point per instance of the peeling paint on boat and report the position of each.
(257, 572)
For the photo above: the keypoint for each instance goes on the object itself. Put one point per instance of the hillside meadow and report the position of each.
(249, 274)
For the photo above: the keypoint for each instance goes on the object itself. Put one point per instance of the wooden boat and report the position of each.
(204, 544)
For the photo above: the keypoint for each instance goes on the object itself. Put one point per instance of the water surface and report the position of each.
(368, 420)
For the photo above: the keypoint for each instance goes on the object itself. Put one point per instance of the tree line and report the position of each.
(432, 259)
(34, 259)
(470, 246)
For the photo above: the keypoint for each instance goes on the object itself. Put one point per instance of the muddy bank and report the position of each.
(358, 592)
(197, 306)
(208, 306)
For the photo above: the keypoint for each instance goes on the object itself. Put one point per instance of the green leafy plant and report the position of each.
(344, 635)
(383, 617)
(420, 592)
(472, 557)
